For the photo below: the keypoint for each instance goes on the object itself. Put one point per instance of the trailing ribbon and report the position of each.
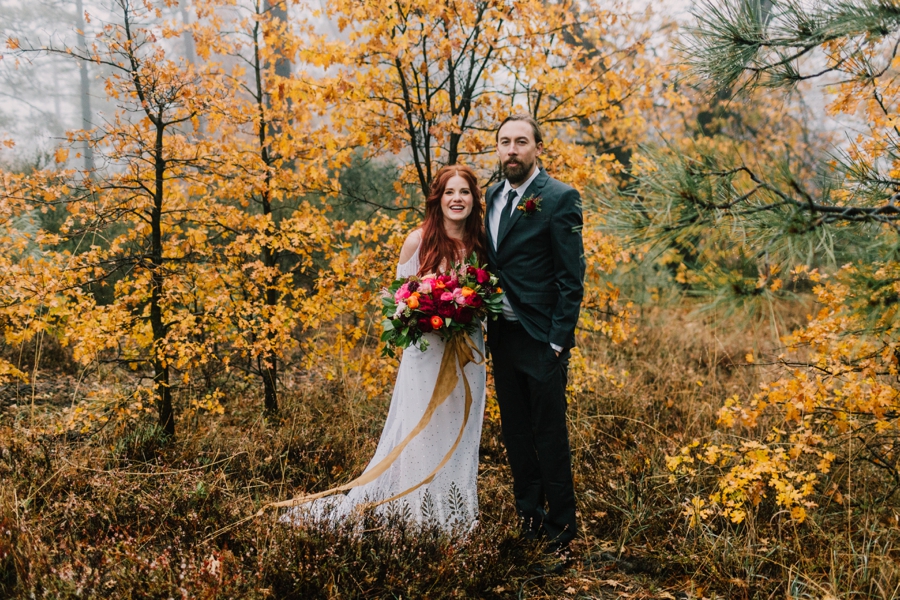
(460, 350)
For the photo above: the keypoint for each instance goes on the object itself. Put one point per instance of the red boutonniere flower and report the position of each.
(529, 206)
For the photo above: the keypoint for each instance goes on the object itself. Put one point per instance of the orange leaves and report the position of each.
(451, 74)
(223, 231)
(845, 388)
(9, 372)
(752, 471)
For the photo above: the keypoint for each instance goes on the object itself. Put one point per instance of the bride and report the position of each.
(393, 482)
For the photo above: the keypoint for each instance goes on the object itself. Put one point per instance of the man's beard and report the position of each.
(517, 173)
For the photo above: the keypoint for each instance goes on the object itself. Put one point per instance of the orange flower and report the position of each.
(437, 322)
(467, 291)
(413, 301)
(440, 285)
(499, 291)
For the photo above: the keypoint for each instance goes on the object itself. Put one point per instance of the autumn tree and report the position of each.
(837, 402)
(270, 137)
(426, 83)
(219, 243)
(135, 210)
(30, 301)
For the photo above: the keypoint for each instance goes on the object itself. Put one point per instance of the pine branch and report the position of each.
(737, 41)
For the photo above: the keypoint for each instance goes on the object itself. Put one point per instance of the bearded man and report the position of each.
(533, 225)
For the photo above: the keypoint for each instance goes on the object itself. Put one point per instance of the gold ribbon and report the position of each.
(463, 350)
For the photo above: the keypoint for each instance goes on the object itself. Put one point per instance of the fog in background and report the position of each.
(44, 95)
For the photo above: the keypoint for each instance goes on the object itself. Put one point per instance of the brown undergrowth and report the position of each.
(131, 515)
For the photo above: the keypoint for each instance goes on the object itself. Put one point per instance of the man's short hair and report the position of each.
(538, 136)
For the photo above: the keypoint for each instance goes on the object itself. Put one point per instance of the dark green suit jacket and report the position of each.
(540, 260)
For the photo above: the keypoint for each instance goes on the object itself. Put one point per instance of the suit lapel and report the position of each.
(532, 190)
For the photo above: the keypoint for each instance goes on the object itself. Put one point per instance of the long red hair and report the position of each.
(437, 248)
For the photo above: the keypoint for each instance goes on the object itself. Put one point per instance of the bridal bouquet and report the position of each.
(448, 304)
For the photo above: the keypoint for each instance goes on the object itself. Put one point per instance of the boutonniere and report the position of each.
(530, 205)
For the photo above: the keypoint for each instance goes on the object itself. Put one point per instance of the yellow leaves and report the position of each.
(12, 43)
(840, 392)
(824, 465)
(9, 372)
(696, 511)
(210, 403)
(747, 472)
(61, 155)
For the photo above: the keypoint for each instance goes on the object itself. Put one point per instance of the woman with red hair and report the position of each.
(453, 227)
(452, 231)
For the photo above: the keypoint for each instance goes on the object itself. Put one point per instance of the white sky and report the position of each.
(40, 100)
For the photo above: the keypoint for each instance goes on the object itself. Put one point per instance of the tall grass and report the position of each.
(131, 515)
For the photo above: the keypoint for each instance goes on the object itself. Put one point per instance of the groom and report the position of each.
(533, 225)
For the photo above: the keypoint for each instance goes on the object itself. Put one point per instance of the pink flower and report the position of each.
(403, 293)
(446, 296)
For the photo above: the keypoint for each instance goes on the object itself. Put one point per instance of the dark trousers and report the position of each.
(530, 381)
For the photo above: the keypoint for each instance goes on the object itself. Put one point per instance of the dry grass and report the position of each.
(131, 515)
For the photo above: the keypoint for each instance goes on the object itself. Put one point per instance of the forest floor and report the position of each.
(128, 514)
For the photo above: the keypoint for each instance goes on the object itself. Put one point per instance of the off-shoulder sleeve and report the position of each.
(410, 267)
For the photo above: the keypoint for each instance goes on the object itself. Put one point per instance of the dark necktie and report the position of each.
(506, 214)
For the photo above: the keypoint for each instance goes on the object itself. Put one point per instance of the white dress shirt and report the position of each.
(494, 225)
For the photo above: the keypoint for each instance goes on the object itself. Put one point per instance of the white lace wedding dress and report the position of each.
(450, 500)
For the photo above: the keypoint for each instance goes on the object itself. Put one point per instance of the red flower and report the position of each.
(425, 325)
(530, 206)
(437, 322)
(481, 276)
(464, 315)
(446, 309)
(426, 304)
(475, 301)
